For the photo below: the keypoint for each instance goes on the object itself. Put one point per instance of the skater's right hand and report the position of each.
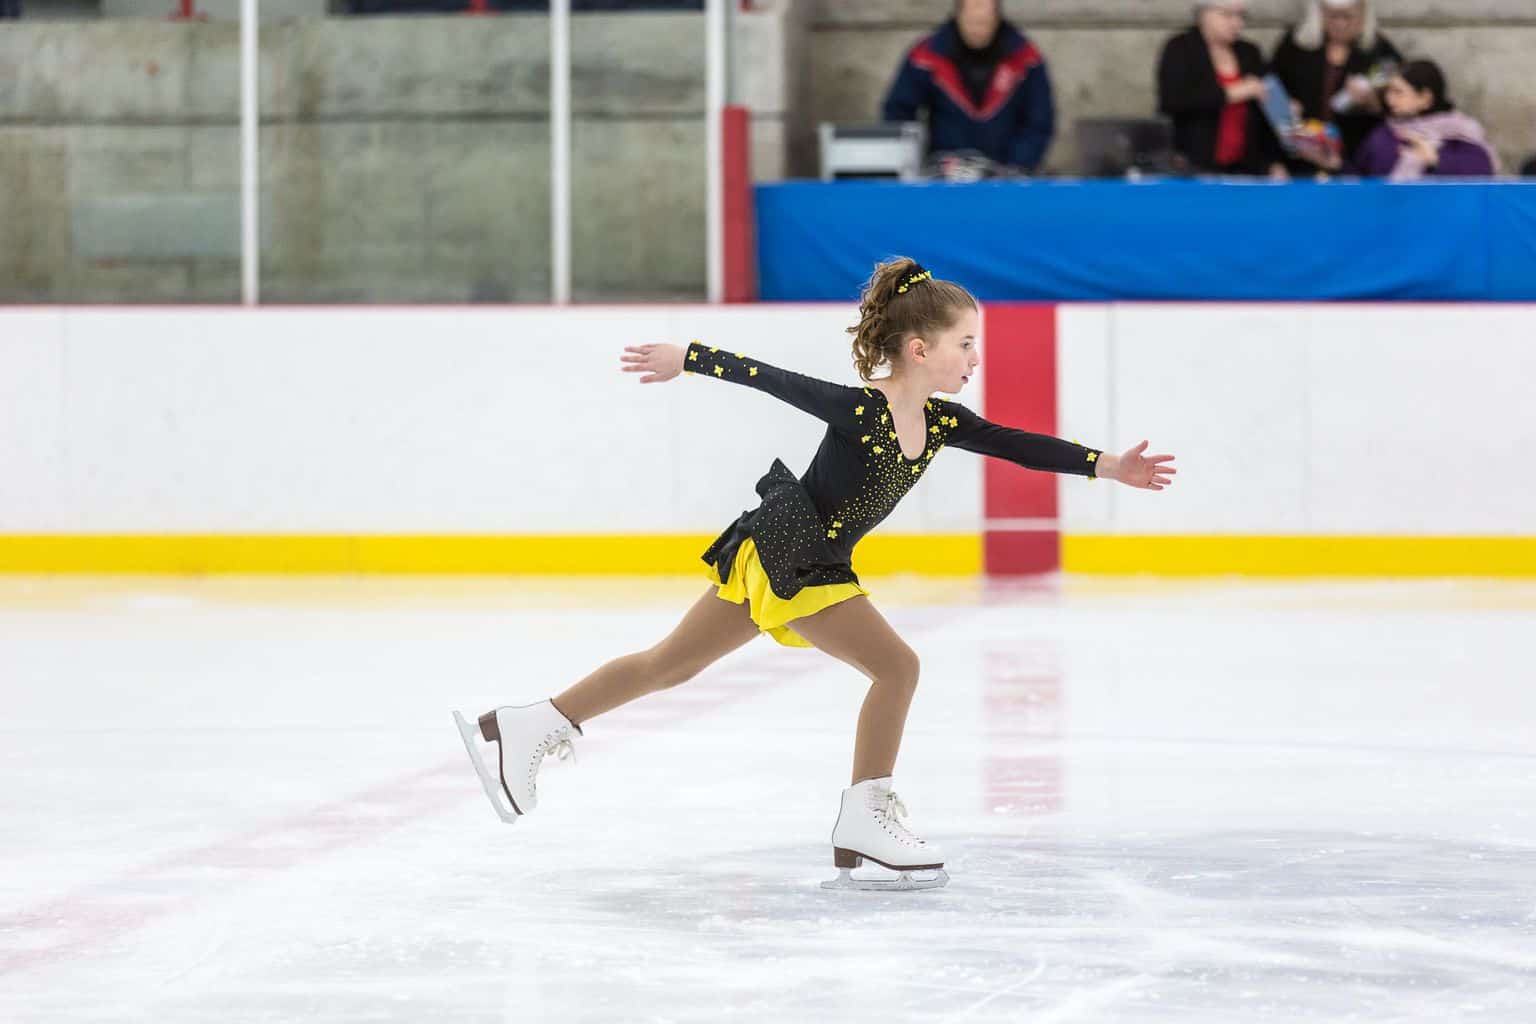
(657, 362)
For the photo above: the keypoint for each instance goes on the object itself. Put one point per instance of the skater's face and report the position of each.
(949, 359)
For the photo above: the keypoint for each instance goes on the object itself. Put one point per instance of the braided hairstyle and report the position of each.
(901, 301)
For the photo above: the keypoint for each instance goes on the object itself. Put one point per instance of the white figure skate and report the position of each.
(524, 737)
(869, 827)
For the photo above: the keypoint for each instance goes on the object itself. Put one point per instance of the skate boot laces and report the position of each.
(557, 745)
(893, 815)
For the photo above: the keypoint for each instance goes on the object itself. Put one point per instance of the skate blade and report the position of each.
(469, 733)
(905, 881)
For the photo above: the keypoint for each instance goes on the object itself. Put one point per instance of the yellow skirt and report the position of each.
(749, 583)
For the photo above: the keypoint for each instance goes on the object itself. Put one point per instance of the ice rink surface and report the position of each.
(244, 800)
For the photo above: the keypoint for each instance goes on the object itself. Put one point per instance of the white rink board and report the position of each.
(1306, 419)
(1287, 419)
(366, 420)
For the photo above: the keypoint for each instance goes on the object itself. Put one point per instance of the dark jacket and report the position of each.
(1305, 73)
(1013, 121)
(1189, 92)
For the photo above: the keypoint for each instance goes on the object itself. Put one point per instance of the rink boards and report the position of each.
(1361, 439)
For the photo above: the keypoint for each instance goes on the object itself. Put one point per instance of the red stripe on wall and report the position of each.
(1019, 359)
(740, 277)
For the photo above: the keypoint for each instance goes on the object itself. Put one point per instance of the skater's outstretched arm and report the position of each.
(834, 403)
(1041, 451)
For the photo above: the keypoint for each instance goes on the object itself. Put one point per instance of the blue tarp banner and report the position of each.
(1169, 240)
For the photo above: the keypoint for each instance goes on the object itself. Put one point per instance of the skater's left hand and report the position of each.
(1137, 469)
(658, 362)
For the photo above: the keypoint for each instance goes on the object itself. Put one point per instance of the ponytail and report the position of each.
(901, 301)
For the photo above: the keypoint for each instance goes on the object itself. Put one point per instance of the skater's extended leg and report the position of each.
(855, 632)
(871, 818)
(516, 740)
(709, 631)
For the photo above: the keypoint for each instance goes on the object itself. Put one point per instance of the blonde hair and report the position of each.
(901, 301)
(1309, 34)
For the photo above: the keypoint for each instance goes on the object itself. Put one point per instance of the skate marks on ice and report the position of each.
(1219, 925)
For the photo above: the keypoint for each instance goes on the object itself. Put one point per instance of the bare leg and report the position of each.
(855, 632)
(710, 630)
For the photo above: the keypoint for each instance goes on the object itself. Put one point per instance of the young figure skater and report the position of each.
(785, 568)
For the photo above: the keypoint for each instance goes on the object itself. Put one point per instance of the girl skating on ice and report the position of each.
(785, 568)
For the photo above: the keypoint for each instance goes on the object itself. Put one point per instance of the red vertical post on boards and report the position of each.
(1021, 534)
(737, 234)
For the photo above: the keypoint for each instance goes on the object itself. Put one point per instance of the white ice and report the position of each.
(244, 800)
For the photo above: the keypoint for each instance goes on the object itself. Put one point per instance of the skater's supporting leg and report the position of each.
(710, 630)
(855, 632)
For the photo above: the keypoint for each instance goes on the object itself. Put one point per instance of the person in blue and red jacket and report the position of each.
(984, 87)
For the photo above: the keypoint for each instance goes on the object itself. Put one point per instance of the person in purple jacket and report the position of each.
(1425, 136)
(984, 87)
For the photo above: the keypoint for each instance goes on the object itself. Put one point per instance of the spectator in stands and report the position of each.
(1425, 135)
(1209, 80)
(983, 85)
(1333, 63)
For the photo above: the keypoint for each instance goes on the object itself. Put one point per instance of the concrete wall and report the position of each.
(403, 159)
(1102, 55)
(406, 159)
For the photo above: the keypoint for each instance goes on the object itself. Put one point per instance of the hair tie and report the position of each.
(918, 274)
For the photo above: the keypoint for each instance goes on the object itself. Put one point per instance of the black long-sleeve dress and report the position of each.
(801, 537)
